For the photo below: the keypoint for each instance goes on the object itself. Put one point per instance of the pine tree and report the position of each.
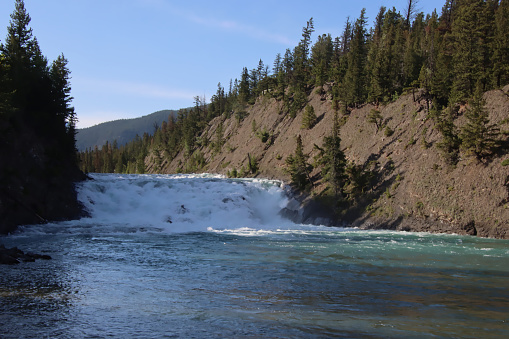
(309, 117)
(332, 159)
(500, 58)
(376, 60)
(478, 136)
(340, 64)
(244, 87)
(375, 117)
(450, 143)
(354, 82)
(472, 38)
(321, 59)
(298, 167)
(219, 142)
(301, 58)
(61, 96)
(27, 67)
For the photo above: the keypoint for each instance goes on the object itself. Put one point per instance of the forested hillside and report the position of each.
(38, 163)
(351, 119)
(120, 131)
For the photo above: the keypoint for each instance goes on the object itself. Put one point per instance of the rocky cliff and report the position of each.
(412, 186)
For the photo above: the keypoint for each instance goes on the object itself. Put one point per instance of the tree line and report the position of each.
(454, 57)
(34, 94)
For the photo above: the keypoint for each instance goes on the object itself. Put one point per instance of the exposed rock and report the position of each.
(414, 188)
(12, 256)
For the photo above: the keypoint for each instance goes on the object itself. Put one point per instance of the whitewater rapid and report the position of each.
(183, 203)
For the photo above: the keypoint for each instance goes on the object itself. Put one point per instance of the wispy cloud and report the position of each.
(226, 25)
(233, 26)
(133, 88)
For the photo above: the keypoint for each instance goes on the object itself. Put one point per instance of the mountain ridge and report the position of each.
(121, 130)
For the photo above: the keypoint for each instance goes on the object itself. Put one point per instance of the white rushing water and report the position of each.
(183, 203)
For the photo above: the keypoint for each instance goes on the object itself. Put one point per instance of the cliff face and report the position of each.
(413, 187)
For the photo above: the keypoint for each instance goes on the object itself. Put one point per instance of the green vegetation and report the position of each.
(298, 167)
(309, 117)
(375, 117)
(332, 160)
(34, 93)
(123, 131)
(478, 136)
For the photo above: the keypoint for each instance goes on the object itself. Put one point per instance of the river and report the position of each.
(208, 257)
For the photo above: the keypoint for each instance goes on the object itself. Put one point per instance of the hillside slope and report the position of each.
(123, 130)
(413, 187)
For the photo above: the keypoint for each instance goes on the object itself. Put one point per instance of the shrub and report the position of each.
(388, 131)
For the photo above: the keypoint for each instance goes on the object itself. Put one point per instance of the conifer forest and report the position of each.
(454, 57)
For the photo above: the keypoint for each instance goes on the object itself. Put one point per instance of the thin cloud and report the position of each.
(234, 26)
(228, 25)
(134, 88)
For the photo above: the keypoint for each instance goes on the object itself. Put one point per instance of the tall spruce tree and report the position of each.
(27, 69)
(478, 136)
(472, 36)
(500, 58)
(66, 118)
(321, 59)
(354, 82)
(308, 117)
(302, 66)
(298, 167)
(332, 159)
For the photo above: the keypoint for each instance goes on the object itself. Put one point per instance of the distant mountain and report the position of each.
(123, 130)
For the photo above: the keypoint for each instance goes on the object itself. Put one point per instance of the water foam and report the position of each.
(183, 203)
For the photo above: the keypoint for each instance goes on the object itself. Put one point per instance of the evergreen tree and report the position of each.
(321, 59)
(478, 136)
(332, 159)
(472, 38)
(450, 143)
(441, 68)
(61, 96)
(339, 63)
(500, 58)
(354, 82)
(26, 66)
(244, 87)
(39, 95)
(413, 57)
(377, 60)
(309, 117)
(375, 117)
(301, 57)
(298, 167)
(219, 142)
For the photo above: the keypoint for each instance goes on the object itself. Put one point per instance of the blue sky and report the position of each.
(130, 58)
